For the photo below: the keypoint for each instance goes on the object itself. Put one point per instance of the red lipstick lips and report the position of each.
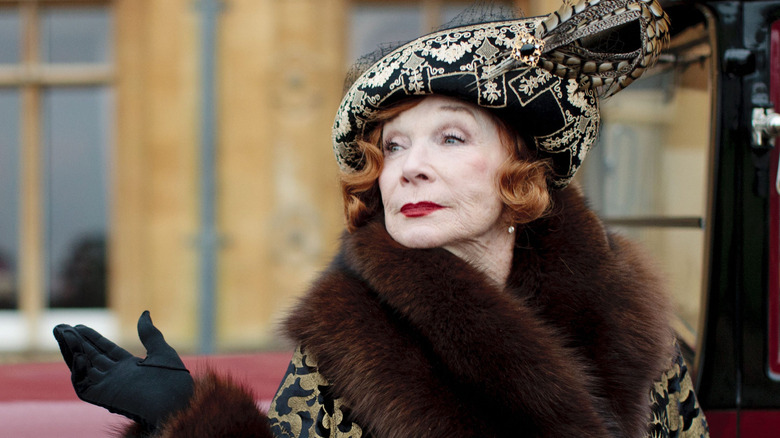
(420, 209)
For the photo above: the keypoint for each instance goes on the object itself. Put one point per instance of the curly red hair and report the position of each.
(521, 182)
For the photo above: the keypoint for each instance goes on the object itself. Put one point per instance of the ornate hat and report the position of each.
(542, 75)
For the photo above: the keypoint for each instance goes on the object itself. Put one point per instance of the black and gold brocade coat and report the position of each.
(397, 342)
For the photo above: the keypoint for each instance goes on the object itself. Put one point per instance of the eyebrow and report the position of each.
(454, 107)
(458, 108)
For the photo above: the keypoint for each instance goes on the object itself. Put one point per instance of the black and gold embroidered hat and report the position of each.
(542, 75)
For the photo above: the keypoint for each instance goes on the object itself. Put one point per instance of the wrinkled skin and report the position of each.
(447, 152)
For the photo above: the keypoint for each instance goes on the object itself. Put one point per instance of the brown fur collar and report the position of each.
(419, 343)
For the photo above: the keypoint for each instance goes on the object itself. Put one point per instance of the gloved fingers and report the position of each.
(81, 358)
(88, 376)
(102, 345)
(69, 341)
(91, 358)
(158, 352)
(87, 380)
(80, 374)
(97, 357)
(96, 387)
(99, 361)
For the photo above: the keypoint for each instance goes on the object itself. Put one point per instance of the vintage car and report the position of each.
(687, 163)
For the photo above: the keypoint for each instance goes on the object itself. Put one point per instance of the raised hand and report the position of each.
(145, 390)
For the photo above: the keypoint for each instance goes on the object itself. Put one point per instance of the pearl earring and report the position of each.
(511, 229)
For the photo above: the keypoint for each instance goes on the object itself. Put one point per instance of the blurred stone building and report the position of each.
(143, 165)
(101, 160)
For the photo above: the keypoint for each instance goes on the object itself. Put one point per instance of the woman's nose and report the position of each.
(416, 166)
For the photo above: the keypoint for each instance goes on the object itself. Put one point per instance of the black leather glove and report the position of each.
(145, 390)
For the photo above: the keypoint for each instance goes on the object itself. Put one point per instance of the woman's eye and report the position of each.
(391, 147)
(453, 139)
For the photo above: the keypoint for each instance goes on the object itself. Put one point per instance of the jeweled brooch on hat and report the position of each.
(543, 75)
(527, 49)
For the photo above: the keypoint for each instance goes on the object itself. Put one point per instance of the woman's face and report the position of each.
(439, 179)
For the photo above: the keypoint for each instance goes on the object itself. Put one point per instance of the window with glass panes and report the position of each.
(56, 115)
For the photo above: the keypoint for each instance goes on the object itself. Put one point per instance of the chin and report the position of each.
(419, 237)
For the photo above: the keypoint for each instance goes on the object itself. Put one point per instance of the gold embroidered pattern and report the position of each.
(302, 407)
(675, 410)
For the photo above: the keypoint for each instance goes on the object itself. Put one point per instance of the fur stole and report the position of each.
(219, 407)
(419, 343)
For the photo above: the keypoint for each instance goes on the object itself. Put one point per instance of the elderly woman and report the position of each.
(474, 293)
